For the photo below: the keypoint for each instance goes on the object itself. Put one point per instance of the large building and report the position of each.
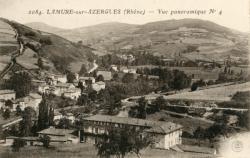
(165, 134)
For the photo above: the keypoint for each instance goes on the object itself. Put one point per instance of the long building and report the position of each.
(165, 134)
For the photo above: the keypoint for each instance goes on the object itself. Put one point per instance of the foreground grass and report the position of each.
(86, 151)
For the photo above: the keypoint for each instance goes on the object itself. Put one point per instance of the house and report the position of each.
(57, 116)
(128, 70)
(53, 79)
(60, 78)
(98, 86)
(126, 48)
(7, 94)
(60, 88)
(114, 68)
(43, 88)
(165, 134)
(87, 80)
(70, 117)
(73, 93)
(32, 100)
(106, 75)
(59, 135)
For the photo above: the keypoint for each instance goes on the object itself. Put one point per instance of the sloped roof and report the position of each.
(56, 131)
(155, 126)
(35, 96)
(6, 91)
(64, 85)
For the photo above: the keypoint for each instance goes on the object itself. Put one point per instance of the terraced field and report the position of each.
(8, 43)
(27, 59)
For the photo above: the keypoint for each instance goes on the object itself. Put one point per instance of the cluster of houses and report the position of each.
(32, 100)
(57, 84)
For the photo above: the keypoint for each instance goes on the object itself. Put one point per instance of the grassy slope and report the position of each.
(60, 51)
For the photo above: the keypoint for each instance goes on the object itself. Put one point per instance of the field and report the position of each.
(4, 60)
(8, 43)
(87, 151)
(218, 94)
(27, 59)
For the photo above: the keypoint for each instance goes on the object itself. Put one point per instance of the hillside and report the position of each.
(169, 38)
(57, 53)
(43, 27)
(8, 43)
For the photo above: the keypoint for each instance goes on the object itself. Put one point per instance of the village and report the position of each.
(82, 92)
(174, 88)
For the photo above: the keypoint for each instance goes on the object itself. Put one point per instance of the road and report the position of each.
(95, 66)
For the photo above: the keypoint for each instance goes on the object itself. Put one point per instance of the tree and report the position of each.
(18, 110)
(127, 78)
(26, 124)
(17, 144)
(199, 133)
(40, 63)
(194, 86)
(115, 77)
(80, 85)
(6, 114)
(180, 80)
(9, 104)
(83, 100)
(21, 83)
(160, 103)
(45, 140)
(100, 78)
(71, 77)
(64, 123)
(119, 142)
(46, 113)
(83, 70)
(142, 108)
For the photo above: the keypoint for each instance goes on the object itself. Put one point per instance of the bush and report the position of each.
(45, 140)
(45, 40)
(30, 33)
(17, 144)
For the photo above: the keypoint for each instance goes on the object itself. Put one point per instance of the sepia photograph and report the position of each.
(124, 79)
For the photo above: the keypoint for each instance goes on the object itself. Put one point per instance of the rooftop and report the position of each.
(100, 83)
(56, 131)
(64, 85)
(86, 78)
(6, 91)
(106, 74)
(35, 96)
(156, 126)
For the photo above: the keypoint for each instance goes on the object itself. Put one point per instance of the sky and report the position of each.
(235, 13)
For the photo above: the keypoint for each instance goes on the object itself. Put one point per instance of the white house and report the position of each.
(53, 79)
(73, 93)
(106, 75)
(60, 88)
(114, 67)
(32, 100)
(43, 88)
(84, 80)
(98, 86)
